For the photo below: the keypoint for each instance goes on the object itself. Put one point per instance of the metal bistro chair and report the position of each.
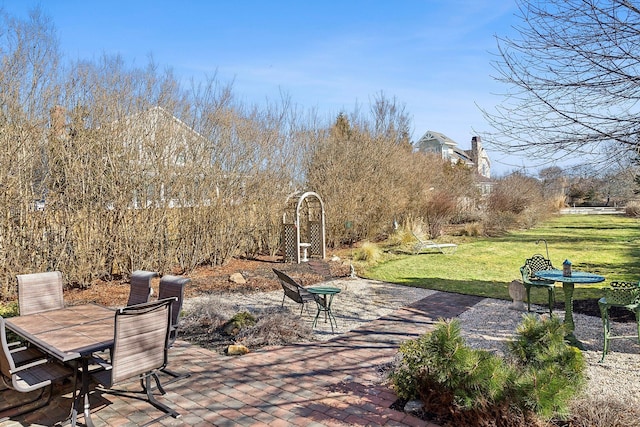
(531, 266)
(25, 370)
(173, 287)
(141, 336)
(140, 290)
(38, 292)
(293, 290)
(619, 294)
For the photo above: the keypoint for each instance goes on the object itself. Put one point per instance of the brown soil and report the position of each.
(260, 277)
(257, 272)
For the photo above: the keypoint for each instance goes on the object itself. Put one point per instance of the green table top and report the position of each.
(326, 290)
(576, 276)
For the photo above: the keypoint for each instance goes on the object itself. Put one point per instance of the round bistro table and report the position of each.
(568, 285)
(323, 296)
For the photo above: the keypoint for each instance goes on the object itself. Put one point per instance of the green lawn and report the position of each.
(608, 245)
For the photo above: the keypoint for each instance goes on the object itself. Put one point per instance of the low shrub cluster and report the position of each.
(632, 209)
(471, 387)
(216, 326)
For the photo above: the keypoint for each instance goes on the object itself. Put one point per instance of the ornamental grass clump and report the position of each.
(473, 387)
(369, 252)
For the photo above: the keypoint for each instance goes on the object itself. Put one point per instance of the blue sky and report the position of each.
(433, 56)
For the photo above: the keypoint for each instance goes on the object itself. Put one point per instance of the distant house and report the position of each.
(159, 138)
(156, 146)
(475, 158)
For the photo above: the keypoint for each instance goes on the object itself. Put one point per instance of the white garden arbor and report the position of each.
(303, 233)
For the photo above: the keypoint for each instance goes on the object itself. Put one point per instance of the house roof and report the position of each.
(440, 137)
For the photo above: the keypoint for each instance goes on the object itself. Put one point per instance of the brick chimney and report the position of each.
(476, 148)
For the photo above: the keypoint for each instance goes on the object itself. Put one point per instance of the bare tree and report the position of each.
(28, 88)
(573, 75)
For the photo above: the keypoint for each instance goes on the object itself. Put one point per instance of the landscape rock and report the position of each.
(517, 294)
(237, 350)
(414, 407)
(237, 278)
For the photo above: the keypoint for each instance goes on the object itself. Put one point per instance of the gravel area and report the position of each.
(487, 325)
(359, 302)
(491, 323)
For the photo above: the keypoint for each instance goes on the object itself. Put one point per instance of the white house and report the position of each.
(476, 158)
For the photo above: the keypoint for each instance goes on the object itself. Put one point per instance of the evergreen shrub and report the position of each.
(538, 378)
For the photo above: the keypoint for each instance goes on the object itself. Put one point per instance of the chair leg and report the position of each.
(76, 371)
(604, 314)
(175, 376)
(151, 398)
(551, 301)
(528, 289)
(157, 380)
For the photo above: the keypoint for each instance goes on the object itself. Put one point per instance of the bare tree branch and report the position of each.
(573, 79)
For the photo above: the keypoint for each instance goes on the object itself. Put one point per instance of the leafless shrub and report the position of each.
(632, 209)
(275, 327)
(206, 314)
(516, 200)
(440, 208)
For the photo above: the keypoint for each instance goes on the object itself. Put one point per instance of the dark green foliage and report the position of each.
(471, 386)
(552, 372)
(441, 361)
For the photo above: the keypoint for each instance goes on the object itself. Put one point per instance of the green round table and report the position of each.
(323, 295)
(568, 285)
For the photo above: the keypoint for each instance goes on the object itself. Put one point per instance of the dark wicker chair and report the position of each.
(293, 290)
(531, 266)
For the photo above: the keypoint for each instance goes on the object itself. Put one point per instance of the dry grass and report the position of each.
(205, 325)
(595, 411)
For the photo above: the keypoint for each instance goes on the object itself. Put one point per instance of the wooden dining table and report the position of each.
(70, 335)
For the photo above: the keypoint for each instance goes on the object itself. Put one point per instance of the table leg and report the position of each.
(321, 307)
(330, 313)
(568, 315)
(83, 398)
(326, 307)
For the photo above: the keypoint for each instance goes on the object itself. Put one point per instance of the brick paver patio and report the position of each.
(332, 383)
